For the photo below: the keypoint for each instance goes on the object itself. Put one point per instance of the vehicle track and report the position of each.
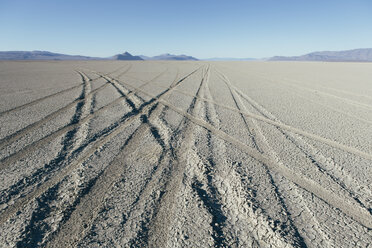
(73, 230)
(68, 128)
(267, 149)
(162, 171)
(349, 208)
(182, 142)
(44, 98)
(346, 100)
(283, 224)
(122, 73)
(24, 131)
(95, 143)
(292, 129)
(148, 189)
(160, 228)
(91, 203)
(142, 235)
(314, 156)
(358, 214)
(39, 100)
(352, 116)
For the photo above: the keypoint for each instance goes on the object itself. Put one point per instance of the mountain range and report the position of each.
(355, 55)
(45, 55)
(167, 56)
(41, 55)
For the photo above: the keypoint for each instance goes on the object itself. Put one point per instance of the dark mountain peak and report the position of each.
(126, 56)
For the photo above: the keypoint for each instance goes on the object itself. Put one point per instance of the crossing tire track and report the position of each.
(348, 207)
(73, 230)
(44, 98)
(24, 131)
(292, 129)
(96, 143)
(267, 149)
(313, 155)
(233, 183)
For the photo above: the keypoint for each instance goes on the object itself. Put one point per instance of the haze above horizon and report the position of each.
(198, 28)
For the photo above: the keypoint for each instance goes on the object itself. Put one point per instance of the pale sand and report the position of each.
(185, 154)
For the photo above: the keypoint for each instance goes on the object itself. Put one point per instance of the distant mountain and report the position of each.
(168, 56)
(356, 55)
(126, 56)
(230, 59)
(144, 57)
(41, 55)
(45, 55)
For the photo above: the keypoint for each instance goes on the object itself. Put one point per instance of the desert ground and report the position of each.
(185, 154)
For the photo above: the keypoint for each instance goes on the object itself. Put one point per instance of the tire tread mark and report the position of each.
(357, 213)
(44, 98)
(157, 233)
(235, 94)
(99, 142)
(75, 232)
(292, 129)
(18, 134)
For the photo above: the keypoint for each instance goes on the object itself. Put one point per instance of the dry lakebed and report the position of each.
(185, 154)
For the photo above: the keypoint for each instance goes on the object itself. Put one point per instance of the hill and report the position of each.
(168, 56)
(355, 55)
(126, 56)
(40, 55)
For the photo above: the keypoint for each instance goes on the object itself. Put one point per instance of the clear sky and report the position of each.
(203, 28)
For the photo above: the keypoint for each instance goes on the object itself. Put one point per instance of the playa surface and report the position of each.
(185, 154)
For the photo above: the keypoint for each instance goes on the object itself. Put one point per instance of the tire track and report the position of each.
(105, 74)
(146, 82)
(231, 189)
(5, 162)
(95, 142)
(149, 187)
(70, 140)
(292, 129)
(205, 187)
(354, 211)
(90, 204)
(182, 143)
(352, 102)
(36, 176)
(74, 229)
(269, 150)
(44, 98)
(357, 213)
(298, 93)
(346, 92)
(82, 132)
(35, 145)
(39, 100)
(160, 175)
(313, 155)
(124, 72)
(24, 131)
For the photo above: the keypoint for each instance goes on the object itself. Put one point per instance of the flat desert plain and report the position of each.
(185, 154)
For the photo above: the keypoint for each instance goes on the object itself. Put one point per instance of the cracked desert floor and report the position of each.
(185, 154)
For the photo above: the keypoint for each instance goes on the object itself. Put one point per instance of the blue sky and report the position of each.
(256, 28)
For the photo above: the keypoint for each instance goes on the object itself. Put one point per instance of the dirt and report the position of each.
(185, 154)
